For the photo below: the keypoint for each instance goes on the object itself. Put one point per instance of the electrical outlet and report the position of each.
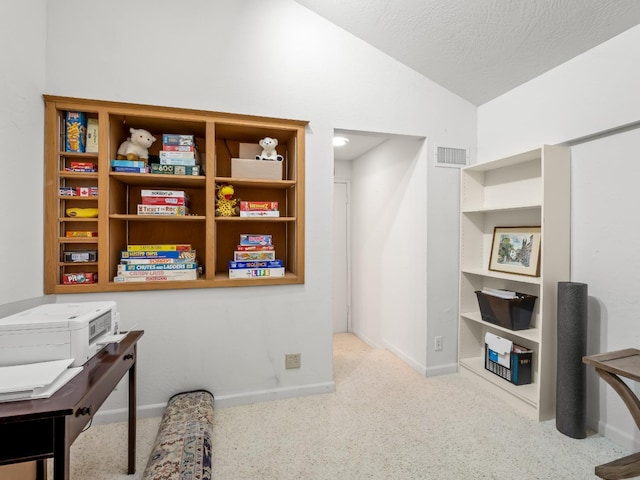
(292, 360)
(437, 343)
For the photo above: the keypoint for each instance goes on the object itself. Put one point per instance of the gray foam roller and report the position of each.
(571, 401)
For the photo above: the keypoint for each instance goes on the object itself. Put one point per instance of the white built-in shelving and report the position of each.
(529, 189)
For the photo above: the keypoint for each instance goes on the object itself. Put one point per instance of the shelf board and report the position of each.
(501, 208)
(222, 278)
(78, 288)
(255, 182)
(483, 272)
(93, 155)
(159, 179)
(78, 219)
(506, 162)
(155, 218)
(83, 175)
(77, 264)
(256, 219)
(74, 198)
(158, 284)
(78, 240)
(530, 334)
(526, 393)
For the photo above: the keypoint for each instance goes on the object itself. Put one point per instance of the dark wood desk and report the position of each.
(46, 428)
(610, 367)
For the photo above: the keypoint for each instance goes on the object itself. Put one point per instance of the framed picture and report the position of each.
(516, 250)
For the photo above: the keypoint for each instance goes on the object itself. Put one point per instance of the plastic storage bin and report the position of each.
(520, 361)
(514, 314)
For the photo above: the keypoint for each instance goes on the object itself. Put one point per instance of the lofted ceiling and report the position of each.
(480, 49)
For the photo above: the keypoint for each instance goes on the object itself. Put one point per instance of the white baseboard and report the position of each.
(122, 414)
(421, 369)
(442, 370)
(367, 340)
(234, 400)
(222, 401)
(619, 437)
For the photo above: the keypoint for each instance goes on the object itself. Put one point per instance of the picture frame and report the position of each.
(516, 250)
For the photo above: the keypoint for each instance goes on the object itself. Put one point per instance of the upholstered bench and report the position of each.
(182, 449)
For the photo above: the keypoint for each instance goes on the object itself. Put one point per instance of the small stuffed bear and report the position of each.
(269, 145)
(135, 147)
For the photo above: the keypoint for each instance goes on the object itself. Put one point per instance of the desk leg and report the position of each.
(629, 466)
(132, 413)
(60, 450)
(41, 470)
(628, 397)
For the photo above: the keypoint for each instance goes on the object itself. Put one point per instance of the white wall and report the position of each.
(595, 92)
(343, 169)
(604, 230)
(591, 93)
(443, 241)
(218, 56)
(22, 80)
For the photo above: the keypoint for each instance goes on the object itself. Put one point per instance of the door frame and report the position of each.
(347, 184)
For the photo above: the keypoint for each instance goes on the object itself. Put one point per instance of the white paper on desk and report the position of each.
(42, 392)
(63, 379)
(20, 378)
(115, 338)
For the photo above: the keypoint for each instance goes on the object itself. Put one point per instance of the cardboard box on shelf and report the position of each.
(92, 135)
(260, 169)
(249, 150)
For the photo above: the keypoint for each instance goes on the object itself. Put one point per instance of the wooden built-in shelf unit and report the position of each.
(214, 238)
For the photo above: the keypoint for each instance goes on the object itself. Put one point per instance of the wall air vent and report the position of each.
(451, 157)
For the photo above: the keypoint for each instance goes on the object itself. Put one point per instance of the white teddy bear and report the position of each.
(269, 145)
(136, 146)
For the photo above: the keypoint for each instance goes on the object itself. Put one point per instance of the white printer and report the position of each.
(56, 331)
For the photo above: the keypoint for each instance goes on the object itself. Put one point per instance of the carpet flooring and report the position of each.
(385, 421)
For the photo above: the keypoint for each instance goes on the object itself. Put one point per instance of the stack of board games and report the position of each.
(259, 209)
(255, 257)
(175, 169)
(81, 167)
(129, 166)
(157, 263)
(178, 151)
(78, 191)
(164, 202)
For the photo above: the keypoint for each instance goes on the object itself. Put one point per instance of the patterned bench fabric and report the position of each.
(182, 449)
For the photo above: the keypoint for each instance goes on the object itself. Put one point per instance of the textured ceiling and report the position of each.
(480, 49)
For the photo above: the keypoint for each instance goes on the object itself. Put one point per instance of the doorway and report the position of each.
(385, 263)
